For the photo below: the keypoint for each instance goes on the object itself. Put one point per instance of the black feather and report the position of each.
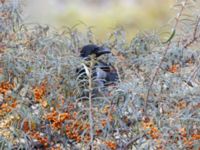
(88, 50)
(103, 74)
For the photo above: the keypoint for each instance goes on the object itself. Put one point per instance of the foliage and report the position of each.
(155, 105)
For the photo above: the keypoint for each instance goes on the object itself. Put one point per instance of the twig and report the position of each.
(132, 141)
(193, 73)
(195, 37)
(90, 104)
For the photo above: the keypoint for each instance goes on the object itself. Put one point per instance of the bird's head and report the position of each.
(92, 49)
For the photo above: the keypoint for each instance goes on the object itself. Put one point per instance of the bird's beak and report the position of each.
(103, 50)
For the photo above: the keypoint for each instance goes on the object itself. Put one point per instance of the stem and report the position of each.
(90, 104)
(132, 141)
(195, 37)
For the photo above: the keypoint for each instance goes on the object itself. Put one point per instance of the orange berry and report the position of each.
(173, 68)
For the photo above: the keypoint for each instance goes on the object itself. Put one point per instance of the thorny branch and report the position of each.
(177, 19)
(195, 36)
(132, 141)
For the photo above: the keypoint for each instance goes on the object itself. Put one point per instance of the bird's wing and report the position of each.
(104, 66)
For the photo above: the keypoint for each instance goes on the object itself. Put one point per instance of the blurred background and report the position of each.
(102, 15)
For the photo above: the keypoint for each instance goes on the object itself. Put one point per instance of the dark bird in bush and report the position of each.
(103, 74)
(92, 49)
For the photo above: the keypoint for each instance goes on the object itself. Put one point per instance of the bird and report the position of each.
(90, 49)
(103, 74)
(106, 72)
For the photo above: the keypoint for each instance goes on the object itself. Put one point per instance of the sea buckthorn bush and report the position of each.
(155, 104)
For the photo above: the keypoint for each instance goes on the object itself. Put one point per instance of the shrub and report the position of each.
(154, 106)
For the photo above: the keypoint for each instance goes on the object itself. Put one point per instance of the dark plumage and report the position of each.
(93, 49)
(103, 74)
